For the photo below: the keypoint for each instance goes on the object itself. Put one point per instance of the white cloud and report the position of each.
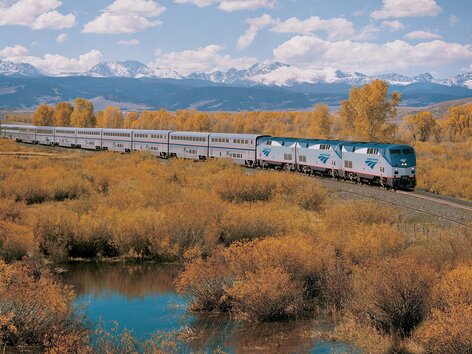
(393, 26)
(255, 25)
(53, 63)
(422, 35)
(16, 51)
(232, 5)
(37, 14)
(311, 51)
(61, 38)
(207, 59)
(126, 16)
(406, 8)
(335, 27)
(133, 41)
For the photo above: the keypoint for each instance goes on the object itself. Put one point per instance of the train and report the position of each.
(387, 165)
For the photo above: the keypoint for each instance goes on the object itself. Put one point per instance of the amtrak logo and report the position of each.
(266, 151)
(323, 158)
(371, 163)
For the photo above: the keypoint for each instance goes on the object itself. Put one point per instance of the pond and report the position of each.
(142, 298)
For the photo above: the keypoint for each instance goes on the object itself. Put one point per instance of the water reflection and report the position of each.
(129, 280)
(142, 298)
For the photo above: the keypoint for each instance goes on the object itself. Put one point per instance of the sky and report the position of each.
(369, 36)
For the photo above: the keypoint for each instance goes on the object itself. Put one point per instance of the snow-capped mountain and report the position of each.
(9, 68)
(459, 80)
(234, 75)
(279, 74)
(129, 69)
(267, 74)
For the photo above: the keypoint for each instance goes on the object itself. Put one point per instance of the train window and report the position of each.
(408, 151)
(372, 151)
(395, 151)
(348, 164)
(302, 158)
(287, 156)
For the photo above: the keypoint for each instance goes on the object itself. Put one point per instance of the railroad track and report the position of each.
(457, 203)
(421, 211)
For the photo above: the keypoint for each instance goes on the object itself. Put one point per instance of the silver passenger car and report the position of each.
(154, 141)
(65, 136)
(189, 145)
(89, 138)
(240, 148)
(45, 135)
(10, 131)
(117, 139)
(28, 134)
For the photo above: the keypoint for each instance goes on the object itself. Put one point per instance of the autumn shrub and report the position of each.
(247, 221)
(204, 282)
(270, 279)
(16, 241)
(454, 288)
(194, 221)
(33, 306)
(63, 233)
(393, 295)
(362, 230)
(240, 187)
(447, 331)
(441, 249)
(10, 210)
(299, 190)
(448, 328)
(36, 183)
(451, 178)
(268, 294)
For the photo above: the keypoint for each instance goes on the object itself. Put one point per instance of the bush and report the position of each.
(447, 331)
(34, 307)
(268, 294)
(256, 220)
(239, 187)
(270, 279)
(16, 241)
(393, 295)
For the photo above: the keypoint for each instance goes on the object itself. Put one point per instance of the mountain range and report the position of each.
(271, 86)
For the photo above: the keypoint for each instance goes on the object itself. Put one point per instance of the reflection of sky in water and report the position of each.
(146, 315)
(142, 298)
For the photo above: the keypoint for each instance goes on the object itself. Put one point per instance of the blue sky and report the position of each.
(370, 36)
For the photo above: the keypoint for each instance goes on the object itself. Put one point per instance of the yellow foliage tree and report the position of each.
(111, 118)
(131, 120)
(458, 122)
(83, 116)
(44, 115)
(62, 114)
(420, 125)
(367, 113)
(320, 126)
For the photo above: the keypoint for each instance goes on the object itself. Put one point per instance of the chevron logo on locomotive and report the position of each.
(324, 157)
(371, 162)
(266, 152)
